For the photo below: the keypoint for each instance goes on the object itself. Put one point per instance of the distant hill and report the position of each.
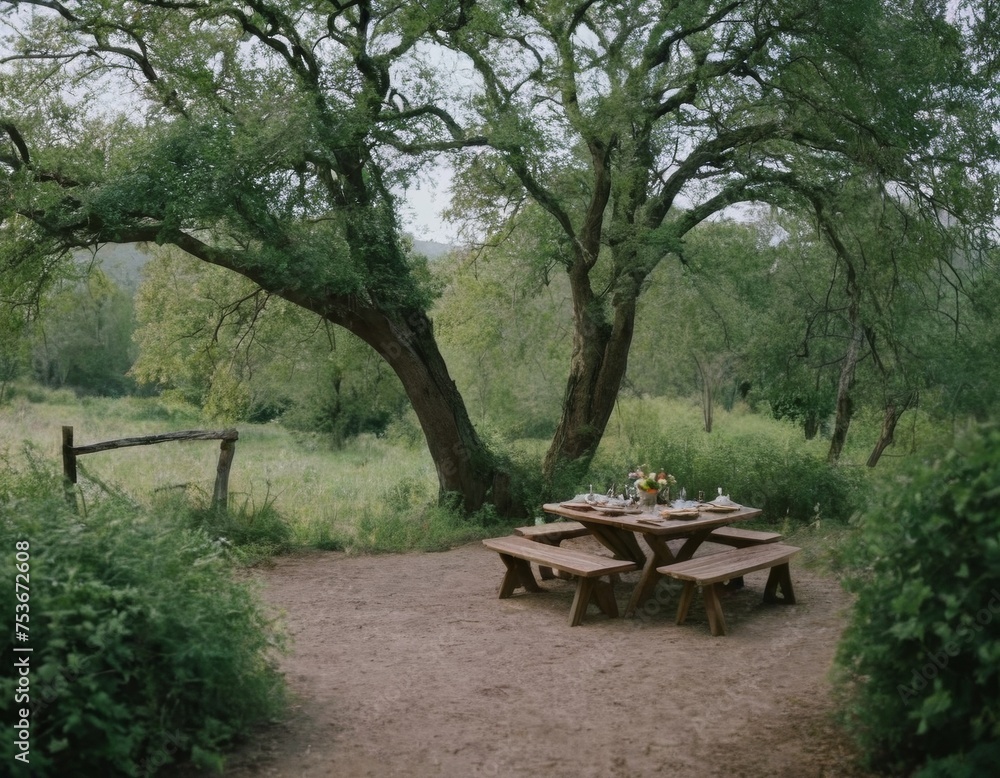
(430, 249)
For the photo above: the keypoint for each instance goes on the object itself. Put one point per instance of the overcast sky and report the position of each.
(421, 210)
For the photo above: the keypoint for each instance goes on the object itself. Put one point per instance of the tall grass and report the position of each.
(379, 494)
(369, 496)
(756, 460)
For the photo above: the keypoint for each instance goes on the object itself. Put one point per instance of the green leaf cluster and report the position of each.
(83, 337)
(920, 660)
(241, 354)
(145, 651)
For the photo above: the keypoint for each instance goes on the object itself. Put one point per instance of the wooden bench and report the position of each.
(553, 534)
(741, 538)
(517, 552)
(710, 571)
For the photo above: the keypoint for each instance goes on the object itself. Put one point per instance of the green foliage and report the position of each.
(251, 531)
(394, 527)
(145, 650)
(704, 314)
(528, 487)
(756, 461)
(244, 355)
(162, 409)
(979, 761)
(920, 659)
(83, 338)
(498, 323)
(31, 392)
(13, 351)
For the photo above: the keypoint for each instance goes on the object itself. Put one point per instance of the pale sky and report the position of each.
(421, 212)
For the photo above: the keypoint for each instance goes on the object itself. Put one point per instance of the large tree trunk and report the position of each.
(890, 418)
(600, 358)
(600, 347)
(404, 337)
(407, 343)
(845, 404)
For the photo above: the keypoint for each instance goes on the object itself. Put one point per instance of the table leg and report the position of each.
(621, 543)
(647, 581)
(685, 602)
(691, 545)
(779, 577)
(662, 555)
(604, 595)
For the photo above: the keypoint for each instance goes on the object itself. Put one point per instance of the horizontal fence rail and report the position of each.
(220, 494)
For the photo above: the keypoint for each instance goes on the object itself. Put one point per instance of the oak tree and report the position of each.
(678, 111)
(251, 135)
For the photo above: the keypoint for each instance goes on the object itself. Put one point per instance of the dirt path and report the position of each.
(410, 666)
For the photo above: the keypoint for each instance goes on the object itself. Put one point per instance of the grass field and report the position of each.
(320, 491)
(379, 494)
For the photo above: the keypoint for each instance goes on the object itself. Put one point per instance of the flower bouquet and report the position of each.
(649, 485)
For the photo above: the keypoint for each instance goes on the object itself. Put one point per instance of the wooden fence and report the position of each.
(220, 494)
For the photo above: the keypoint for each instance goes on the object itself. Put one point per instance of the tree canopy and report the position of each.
(631, 123)
(267, 138)
(252, 137)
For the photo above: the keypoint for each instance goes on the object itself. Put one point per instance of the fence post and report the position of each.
(69, 466)
(220, 496)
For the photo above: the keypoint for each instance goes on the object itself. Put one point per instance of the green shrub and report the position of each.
(920, 659)
(156, 409)
(145, 651)
(980, 761)
(758, 463)
(243, 524)
(38, 394)
(435, 528)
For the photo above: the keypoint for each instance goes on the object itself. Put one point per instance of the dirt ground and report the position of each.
(409, 665)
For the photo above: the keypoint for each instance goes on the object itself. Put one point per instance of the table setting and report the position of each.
(606, 505)
(642, 496)
(683, 508)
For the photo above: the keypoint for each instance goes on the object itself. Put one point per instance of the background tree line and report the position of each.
(267, 139)
(749, 317)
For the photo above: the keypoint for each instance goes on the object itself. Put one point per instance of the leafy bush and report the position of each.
(83, 338)
(145, 651)
(165, 408)
(244, 524)
(757, 461)
(436, 528)
(920, 659)
(38, 394)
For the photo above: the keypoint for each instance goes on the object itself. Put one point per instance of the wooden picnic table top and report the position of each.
(652, 523)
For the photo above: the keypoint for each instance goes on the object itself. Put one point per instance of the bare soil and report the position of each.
(409, 665)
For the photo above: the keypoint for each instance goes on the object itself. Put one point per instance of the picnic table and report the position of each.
(617, 529)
